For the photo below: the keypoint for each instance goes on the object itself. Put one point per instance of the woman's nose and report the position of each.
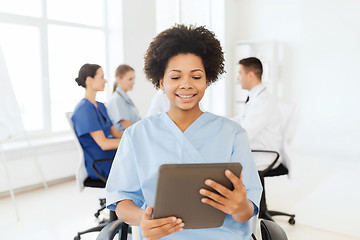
(185, 82)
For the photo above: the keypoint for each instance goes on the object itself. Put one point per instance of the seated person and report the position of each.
(97, 136)
(120, 107)
(159, 103)
(261, 117)
(184, 134)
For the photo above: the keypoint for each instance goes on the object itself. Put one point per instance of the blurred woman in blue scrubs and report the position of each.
(120, 107)
(97, 135)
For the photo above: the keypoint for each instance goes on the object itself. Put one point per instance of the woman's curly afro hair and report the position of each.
(182, 39)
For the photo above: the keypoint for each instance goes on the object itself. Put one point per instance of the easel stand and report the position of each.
(3, 161)
(11, 124)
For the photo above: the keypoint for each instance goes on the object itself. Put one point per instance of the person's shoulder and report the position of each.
(160, 96)
(114, 100)
(111, 99)
(100, 104)
(145, 125)
(264, 100)
(226, 123)
(271, 101)
(150, 120)
(82, 109)
(83, 105)
(155, 117)
(267, 94)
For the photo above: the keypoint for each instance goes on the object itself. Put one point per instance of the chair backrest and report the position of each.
(81, 173)
(287, 111)
(113, 228)
(271, 231)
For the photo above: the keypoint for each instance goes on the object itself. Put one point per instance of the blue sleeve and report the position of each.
(123, 182)
(86, 120)
(117, 109)
(251, 180)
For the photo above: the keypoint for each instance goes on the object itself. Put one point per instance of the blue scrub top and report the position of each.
(87, 118)
(157, 140)
(121, 107)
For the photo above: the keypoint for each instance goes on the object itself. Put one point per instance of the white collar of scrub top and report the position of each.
(255, 91)
(124, 96)
(183, 137)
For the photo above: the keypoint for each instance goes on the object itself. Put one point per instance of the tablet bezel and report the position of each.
(177, 192)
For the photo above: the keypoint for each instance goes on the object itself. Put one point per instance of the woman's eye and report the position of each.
(175, 78)
(197, 77)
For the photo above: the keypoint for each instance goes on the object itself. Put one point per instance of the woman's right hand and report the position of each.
(153, 229)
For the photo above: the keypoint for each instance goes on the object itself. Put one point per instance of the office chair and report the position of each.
(110, 231)
(84, 181)
(269, 172)
(271, 231)
(287, 111)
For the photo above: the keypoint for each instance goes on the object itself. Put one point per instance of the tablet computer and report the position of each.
(177, 192)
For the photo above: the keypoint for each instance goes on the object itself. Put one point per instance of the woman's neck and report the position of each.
(184, 118)
(91, 96)
(124, 90)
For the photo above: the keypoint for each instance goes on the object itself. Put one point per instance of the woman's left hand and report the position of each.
(233, 202)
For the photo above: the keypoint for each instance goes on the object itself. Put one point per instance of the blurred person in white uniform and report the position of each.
(159, 103)
(120, 107)
(261, 117)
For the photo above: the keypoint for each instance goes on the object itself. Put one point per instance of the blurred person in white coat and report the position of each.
(261, 117)
(159, 103)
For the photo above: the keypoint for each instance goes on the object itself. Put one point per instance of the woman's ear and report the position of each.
(161, 84)
(88, 80)
(117, 79)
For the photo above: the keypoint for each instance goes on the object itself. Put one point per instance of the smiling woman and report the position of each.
(183, 61)
(184, 83)
(168, 45)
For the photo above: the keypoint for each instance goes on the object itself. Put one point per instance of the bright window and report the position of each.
(21, 49)
(65, 59)
(21, 7)
(195, 12)
(89, 12)
(44, 43)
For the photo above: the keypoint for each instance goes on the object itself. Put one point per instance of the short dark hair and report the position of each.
(87, 70)
(252, 64)
(182, 39)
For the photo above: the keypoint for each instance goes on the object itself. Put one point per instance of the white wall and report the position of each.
(319, 67)
(56, 158)
(139, 24)
(114, 40)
